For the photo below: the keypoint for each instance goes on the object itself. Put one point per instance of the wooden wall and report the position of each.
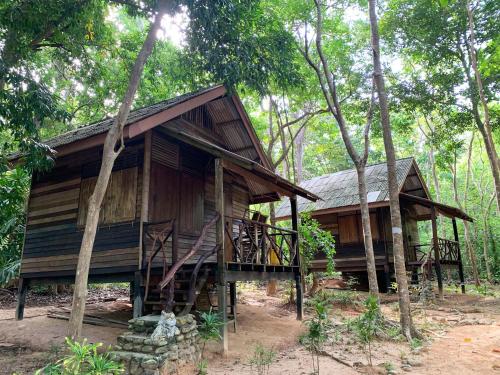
(347, 230)
(57, 210)
(182, 187)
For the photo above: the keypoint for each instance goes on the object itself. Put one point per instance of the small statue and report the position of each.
(166, 327)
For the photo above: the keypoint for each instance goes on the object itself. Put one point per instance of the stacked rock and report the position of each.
(140, 354)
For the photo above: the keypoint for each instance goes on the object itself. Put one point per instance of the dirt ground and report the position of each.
(462, 336)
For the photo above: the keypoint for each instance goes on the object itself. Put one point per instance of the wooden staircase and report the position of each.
(184, 295)
(175, 287)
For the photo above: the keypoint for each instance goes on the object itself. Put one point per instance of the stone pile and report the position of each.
(140, 354)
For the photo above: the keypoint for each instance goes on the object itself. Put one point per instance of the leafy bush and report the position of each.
(82, 359)
(262, 359)
(313, 240)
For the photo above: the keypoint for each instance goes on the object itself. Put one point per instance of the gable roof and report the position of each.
(222, 111)
(224, 108)
(340, 189)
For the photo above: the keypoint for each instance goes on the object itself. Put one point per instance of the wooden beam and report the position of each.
(146, 173)
(435, 244)
(221, 269)
(460, 264)
(296, 259)
(150, 122)
(232, 276)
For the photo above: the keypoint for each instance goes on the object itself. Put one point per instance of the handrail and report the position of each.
(175, 267)
(166, 232)
(254, 244)
(194, 278)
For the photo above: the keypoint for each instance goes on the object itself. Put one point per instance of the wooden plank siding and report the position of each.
(347, 230)
(56, 212)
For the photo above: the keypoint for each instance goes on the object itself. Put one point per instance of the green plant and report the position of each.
(367, 324)
(208, 330)
(316, 335)
(352, 282)
(389, 367)
(82, 358)
(262, 359)
(315, 240)
(202, 367)
(415, 343)
(329, 297)
(483, 290)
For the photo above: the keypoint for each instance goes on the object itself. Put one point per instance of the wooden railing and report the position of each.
(158, 233)
(254, 242)
(448, 251)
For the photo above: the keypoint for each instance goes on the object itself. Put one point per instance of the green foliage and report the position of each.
(208, 330)
(84, 359)
(240, 42)
(330, 297)
(367, 324)
(316, 335)
(315, 240)
(13, 192)
(262, 359)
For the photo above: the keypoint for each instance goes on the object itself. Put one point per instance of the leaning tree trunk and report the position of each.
(367, 232)
(113, 145)
(484, 127)
(397, 233)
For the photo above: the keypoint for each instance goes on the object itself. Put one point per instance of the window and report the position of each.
(119, 203)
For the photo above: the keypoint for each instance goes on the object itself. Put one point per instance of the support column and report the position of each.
(221, 267)
(21, 297)
(435, 244)
(138, 295)
(233, 301)
(296, 259)
(460, 264)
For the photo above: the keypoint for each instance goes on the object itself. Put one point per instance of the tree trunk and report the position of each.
(367, 232)
(484, 127)
(114, 138)
(471, 252)
(299, 155)
(486, 239)
(397, 233)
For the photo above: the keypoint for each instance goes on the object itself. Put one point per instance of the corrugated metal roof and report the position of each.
(340, 189)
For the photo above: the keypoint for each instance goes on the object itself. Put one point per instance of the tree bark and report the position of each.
(484, 127)
(114, 139)
(397, 233)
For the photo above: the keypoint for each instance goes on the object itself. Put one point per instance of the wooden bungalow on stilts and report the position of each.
(176, 220)
(338, 211)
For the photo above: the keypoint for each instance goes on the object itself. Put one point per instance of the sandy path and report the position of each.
(465, 350)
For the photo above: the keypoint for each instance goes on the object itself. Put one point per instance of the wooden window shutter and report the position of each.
(119, 203)
(348, 229)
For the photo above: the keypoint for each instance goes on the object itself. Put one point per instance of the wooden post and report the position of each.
(435, 245)
(21, 297)
(138, 295)
(232, 295)
(221, 267)
(460, 265)
(296, 259)
(146, 173)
